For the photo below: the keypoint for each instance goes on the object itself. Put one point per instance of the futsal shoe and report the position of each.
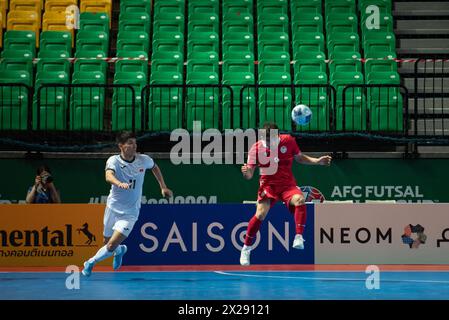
(244, 256)
(118, 257)
(298, 243)
(87, 271)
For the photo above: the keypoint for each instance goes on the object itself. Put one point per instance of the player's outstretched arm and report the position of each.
(247, 171)
(321, 161)
(110, 178)
(166, 192)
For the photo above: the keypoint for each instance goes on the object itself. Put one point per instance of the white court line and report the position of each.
(324, 279)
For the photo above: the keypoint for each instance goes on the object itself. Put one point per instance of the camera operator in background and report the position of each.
(44, 190)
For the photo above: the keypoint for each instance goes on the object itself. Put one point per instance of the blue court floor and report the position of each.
(226, 285)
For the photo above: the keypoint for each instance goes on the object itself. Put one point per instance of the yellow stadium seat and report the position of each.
(59, 5)
(4, 3)
(3, 8)
(24, 20)
(56, 21)
(27, 6)
(97, 6)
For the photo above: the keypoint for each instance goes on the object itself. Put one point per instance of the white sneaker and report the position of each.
(244, 256)
(87, 271)
(118, 257)
(298, 243)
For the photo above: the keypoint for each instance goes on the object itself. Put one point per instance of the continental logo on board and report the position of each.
(46, 242)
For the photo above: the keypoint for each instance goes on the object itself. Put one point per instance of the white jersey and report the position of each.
(128, 201)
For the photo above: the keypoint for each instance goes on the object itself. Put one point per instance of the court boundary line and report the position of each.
(199, 268)
(327, 279)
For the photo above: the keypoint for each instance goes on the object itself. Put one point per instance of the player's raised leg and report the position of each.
(110, 248)
(297, 206)
(263, 206)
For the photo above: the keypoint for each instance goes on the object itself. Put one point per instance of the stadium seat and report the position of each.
(122, 108)
(24, 21)
(87, 103)
(20, 40)
(137, 22)
(165, 105)
(135, 6)
(14, 100)
(96, 6)
(59, 5)
(91, 21)
(202, 102)
(56, 40)
(354, 115)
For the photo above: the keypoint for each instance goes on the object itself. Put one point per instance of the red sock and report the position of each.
(300, 218)
(251, 232)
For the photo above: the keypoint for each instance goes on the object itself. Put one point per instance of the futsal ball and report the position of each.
(301, 114)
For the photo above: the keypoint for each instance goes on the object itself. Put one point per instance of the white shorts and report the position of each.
(122, 223)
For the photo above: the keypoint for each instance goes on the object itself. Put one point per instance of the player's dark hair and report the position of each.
(123, 136)
(270, 125)
(42, 168)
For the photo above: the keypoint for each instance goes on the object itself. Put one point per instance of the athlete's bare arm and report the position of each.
(166, 192)
(321, 161)
(110, 178)
(248, 171)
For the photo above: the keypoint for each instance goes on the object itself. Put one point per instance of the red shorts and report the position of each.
(278, 193)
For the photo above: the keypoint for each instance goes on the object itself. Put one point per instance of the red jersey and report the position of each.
(275, 167)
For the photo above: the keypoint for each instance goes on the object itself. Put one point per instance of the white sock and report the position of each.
(102, 254)
(247, 248)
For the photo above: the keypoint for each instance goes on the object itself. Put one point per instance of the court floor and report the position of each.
(225, 283)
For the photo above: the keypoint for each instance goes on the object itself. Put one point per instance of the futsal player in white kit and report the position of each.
(126, 173)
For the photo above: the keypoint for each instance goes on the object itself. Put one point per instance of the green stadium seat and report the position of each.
(165, 104)
(175, 56)
(87, 103)
(272, 7)
(202, 102)
(168, 6)
(122, 109)
(168, 45)
(132, 66)
(202, 42)
(383, 5)
(307, 23)
(53, 54)
(236, 9)
(169, 22)
(56, 40)
(302, 7)
(376, 48)
(334, 27)
(272, 23)
(133, 41)
(338, 65)
(138, 22)
(14, 100)
(244, 112)
(53, 65)
(339, 6)
(354, 116)
(344, 42)
(166, 65)
(273, 42)
(385, 24)
(380, 66)
(309, 65)
(91, 21)
(20, 40)
(240, 25)
(53, 100)
(203, 22)
(90, 66)
(92, 40)
(203, 6)
(16, 64)
(385, 104)
(200, 65)
(311, 42)
(135, 6)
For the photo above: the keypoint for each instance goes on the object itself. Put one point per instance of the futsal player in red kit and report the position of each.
(274, 155)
